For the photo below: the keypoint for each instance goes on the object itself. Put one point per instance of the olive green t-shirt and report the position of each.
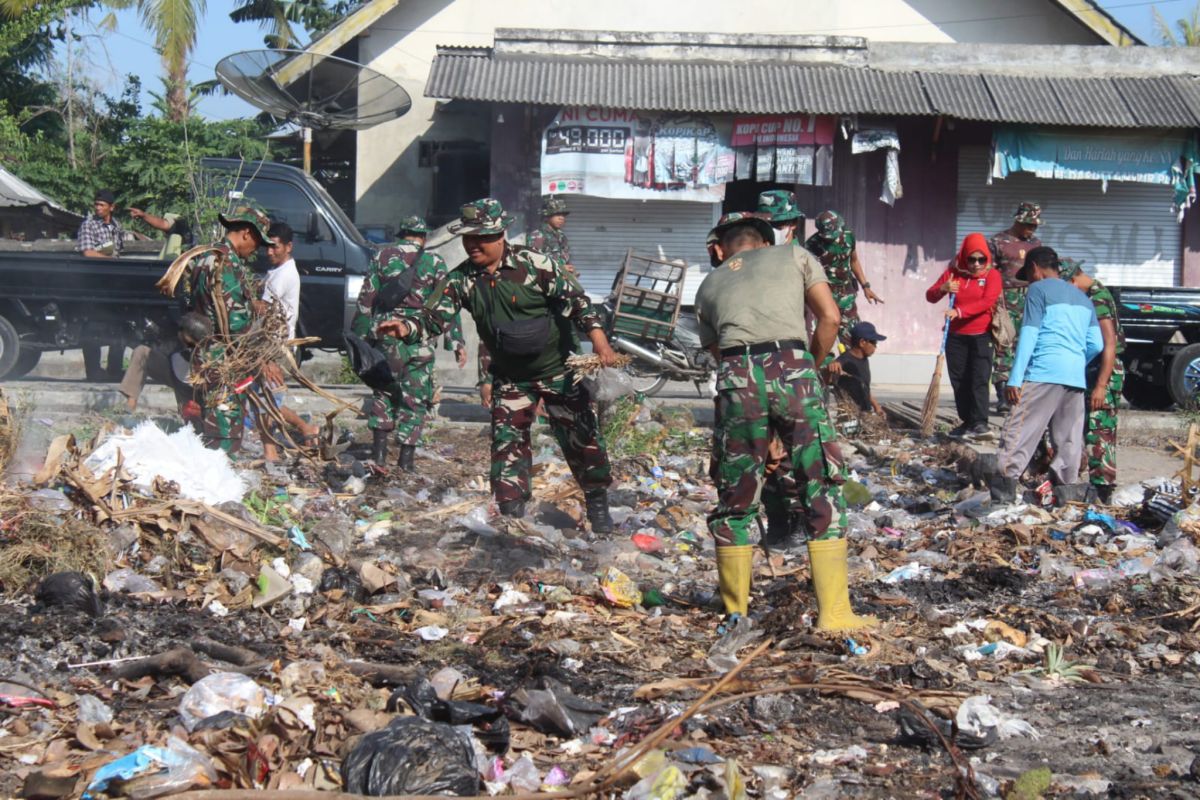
(757, 296)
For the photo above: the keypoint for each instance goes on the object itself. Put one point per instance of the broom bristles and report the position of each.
(929, 409)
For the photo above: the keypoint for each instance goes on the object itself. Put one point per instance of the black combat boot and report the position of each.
(407, 453)
(597, 511)
(785, 532)
(379, 448)
(512, 508)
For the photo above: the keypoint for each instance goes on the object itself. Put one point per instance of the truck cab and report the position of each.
(331, 254)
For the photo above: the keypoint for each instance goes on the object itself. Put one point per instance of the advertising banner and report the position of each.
(634, 155)
(769, 130)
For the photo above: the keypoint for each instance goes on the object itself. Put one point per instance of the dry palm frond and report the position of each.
(586, 365)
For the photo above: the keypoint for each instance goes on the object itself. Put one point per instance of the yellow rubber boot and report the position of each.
(828, 559)
(733, 577)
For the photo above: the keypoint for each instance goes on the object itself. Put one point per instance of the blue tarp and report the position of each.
(1167, 160)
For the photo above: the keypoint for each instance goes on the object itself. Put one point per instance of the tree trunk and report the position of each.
(177, 94)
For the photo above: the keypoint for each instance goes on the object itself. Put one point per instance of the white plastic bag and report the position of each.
(221, 691)
(609, 384)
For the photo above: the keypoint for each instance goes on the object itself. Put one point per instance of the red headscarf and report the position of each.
(973, 242)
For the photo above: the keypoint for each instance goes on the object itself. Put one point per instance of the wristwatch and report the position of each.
(866, 285)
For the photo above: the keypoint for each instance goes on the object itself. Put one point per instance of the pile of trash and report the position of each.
(323, 628)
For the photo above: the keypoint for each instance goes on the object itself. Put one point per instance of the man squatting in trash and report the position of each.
(751, 311)
(1060, 335)
(523, 304)
(222, 289)
(401, 408)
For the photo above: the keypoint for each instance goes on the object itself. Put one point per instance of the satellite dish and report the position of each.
(313, 90)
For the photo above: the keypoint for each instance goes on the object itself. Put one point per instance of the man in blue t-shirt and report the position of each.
(1059, 336)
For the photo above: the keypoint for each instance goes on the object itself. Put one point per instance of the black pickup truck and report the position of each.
(1162, 345)
(59, 300)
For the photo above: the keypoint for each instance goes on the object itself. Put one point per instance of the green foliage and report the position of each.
(279, 17)
(1189, 29)
(270, 509)
(1032, 785)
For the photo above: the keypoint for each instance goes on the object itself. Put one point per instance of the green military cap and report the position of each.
(257, 218)
(780, 205)
(830, 224)
(553, 206)
(1028, 214)
(756, 220)
(413, 224)
(1069, 267)
(484, 217)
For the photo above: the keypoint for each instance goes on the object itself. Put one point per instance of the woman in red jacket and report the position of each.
(976, 288)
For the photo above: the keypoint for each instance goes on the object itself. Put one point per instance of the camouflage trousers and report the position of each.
(757, 396)
(572, 421)
(221, 424)
(1002, 357)
(404, 406)
(847, 302)
(1100, 434)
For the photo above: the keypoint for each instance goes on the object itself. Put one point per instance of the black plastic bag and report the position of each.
(552, 708)
(369, 363)
(491, 726)
(345, 579)
(70, 590)
(411, 756)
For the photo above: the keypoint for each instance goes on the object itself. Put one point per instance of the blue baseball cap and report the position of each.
(865, 330)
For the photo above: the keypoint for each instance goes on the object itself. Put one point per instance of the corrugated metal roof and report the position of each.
(777, 88)
(16, 193)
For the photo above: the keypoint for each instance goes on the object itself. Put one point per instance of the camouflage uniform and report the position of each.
(768, 385)
(1100, 438)
(1008, 254)
(221, 282)
(548, 240)
(403, 407)
(833, 245)
(776, 392)
(525, 286)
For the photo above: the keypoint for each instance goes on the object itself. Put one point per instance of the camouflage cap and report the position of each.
(780, 205)
(257, 218)
(553, 206)
(757, 220)
(712, 238)
(1028, 214)
(830, 224)
(413, 224)
(1069, 267)
(483, 217)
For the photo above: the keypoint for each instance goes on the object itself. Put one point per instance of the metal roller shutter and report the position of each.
(601, 230)
(1126, 236)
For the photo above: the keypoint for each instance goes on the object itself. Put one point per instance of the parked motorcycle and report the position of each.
(681, 358)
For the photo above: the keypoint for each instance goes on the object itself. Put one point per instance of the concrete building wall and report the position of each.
(402, 44)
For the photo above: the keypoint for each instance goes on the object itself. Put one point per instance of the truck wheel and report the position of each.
(1144, 395)
(26, 361)
(1184, 382)
(10, 347)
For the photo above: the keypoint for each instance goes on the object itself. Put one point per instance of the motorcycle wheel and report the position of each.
(647, 380)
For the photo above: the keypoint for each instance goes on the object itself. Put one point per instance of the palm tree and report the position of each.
(174, 24)
(1189, 29)
(280, 16)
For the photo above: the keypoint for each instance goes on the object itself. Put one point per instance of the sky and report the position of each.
(129, 49)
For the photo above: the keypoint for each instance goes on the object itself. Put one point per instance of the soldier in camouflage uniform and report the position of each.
(1106, 380)
(221, 288)
(549, 239)
(751, 311)
(784, 214)
(1008, 254)
(416, 230)
(395, 272)
(524, 304)
(835, 247)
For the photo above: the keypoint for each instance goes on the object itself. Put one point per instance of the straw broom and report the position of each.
(929, 410)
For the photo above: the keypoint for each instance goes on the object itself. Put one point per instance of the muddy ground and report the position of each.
(1116, 716)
